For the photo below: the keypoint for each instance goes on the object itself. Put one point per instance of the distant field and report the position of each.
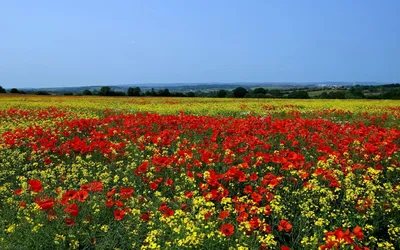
(200, 106)
(206, 173)
(313, 94)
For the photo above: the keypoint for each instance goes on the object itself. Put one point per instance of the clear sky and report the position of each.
(85, 42)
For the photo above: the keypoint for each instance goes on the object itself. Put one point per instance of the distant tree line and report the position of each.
(11, 91)
(388, 91)
(239, 92)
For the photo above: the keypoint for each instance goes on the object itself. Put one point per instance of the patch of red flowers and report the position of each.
(72, 209)
(227, 229)
(35, 185)
(119, 214)
(284, 226)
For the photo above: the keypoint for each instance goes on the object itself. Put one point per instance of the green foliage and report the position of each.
(107, 91)
(239, 92)
(259, 91)
(333, 95)
(394, 94)
(14, 91)
(152, 92)
(87, 92)
(178, 94)
(42, 92)
(222, 93)
(301, 94)
(136, 91)
(275, 93)
(164, 92)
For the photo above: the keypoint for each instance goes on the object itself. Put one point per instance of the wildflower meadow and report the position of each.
(181, 173)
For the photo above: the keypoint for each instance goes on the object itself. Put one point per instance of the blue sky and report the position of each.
(75, 43)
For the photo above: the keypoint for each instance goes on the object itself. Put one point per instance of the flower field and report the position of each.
(177, 173)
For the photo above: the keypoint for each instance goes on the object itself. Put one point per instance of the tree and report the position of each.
(2, 90)
(178, 94)
(275, 93)
(239, 92)
(355, 92)
(134, 91)
(324, 95)
(393, 94)
(301, 94)
(87, 92)
(336, 95)
(42, 92)
(105, 91)
(163, 92)
(117, 93)
(68, 93)
(190, 94)
(259, 91)
(222, 93)
(14, 91)
(152, 92)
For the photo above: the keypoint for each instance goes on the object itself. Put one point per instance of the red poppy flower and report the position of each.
(69, 195)
(125, 193)
(208, 215)
(45, 204)
(285, 248)
(96, 186)
(47, 161)
(69, 222)
(223, 214)
(266, 228)
(82, 195)
(248, 189)
(145, 216)
(256, 197)
(110, 193)
(142, 169)
(243, 216)
(163, 206)
(227, 229)
(358, 232)
(254, 222)
(168, 212)
(109, 203)
(153, 186)
(72, 209)
(35, 185)
(85, 187)
(253, 177)
(190, 174)
(169, 182)
(284, 226)
(119, 203)
(189, 194)
(119, 214)
(18, 191)
(267, 210)
(185, 207)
